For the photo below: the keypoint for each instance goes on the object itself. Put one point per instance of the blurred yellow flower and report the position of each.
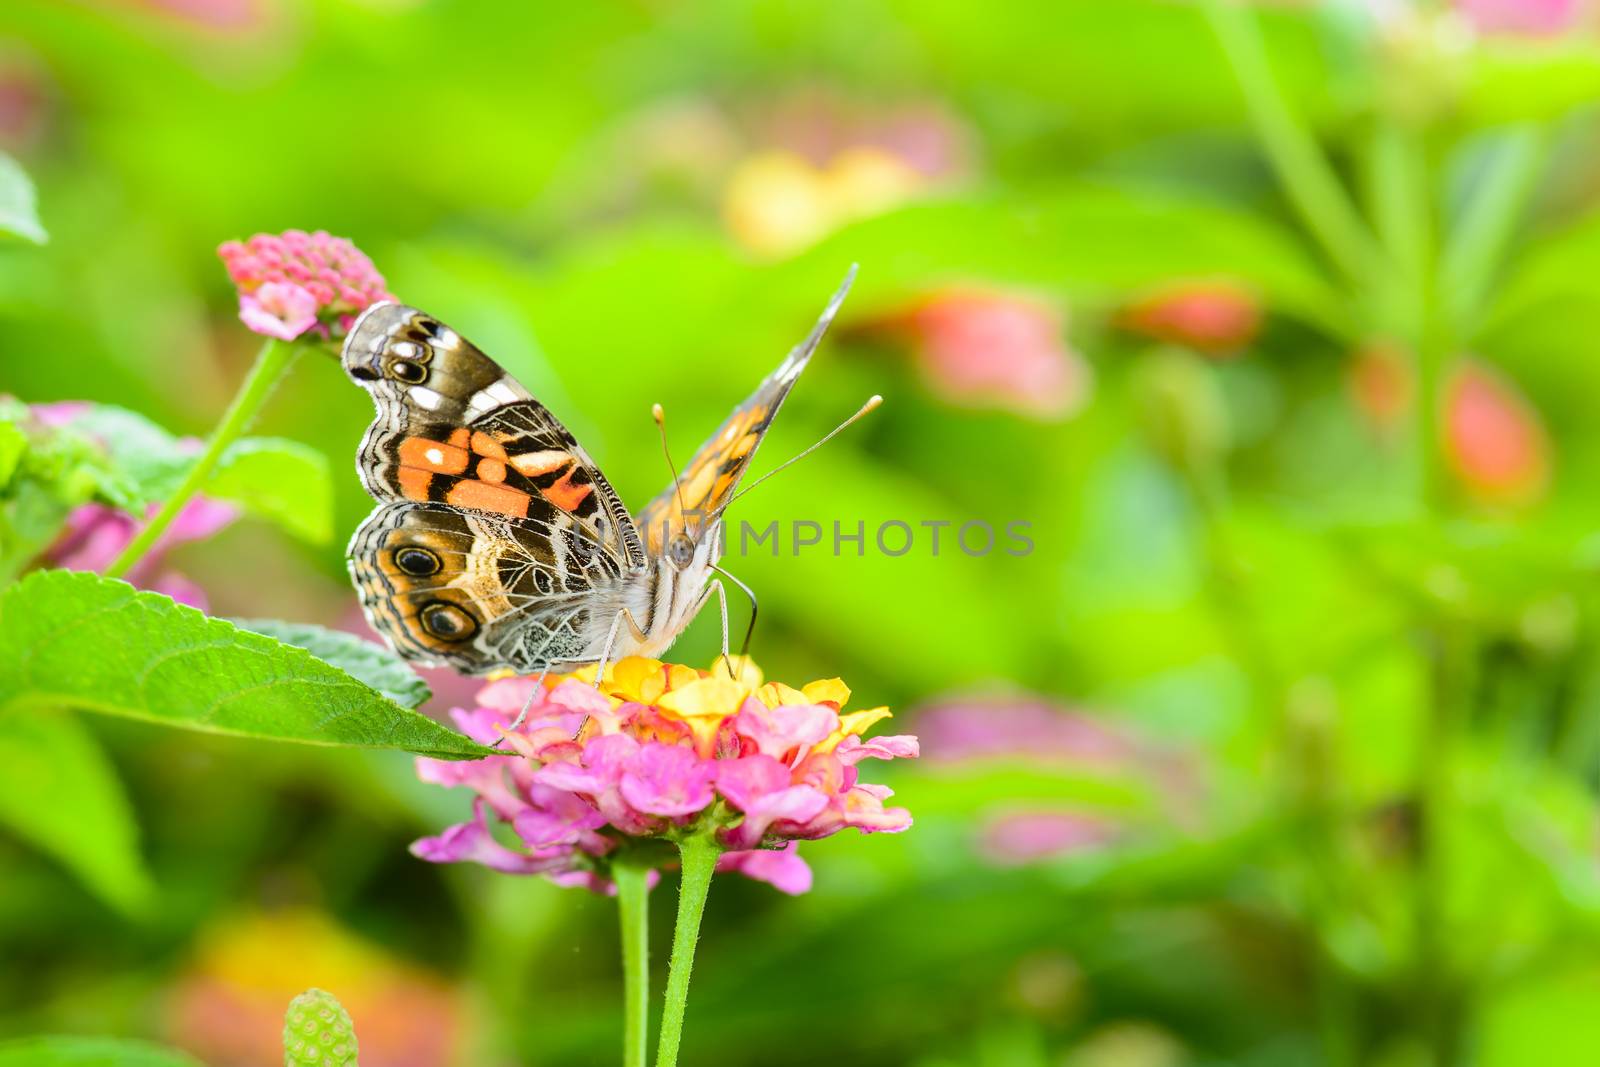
(777, 202)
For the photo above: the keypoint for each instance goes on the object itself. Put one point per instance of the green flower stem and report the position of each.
(699, 855)
(271, 362)
(1307, 177)
(633, 904)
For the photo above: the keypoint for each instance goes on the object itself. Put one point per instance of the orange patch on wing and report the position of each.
(565, 495)
(491, 470)
(435, 456)
(484, 445)
(414, 482)
(481, 496)
(460, 437)
(533, 464)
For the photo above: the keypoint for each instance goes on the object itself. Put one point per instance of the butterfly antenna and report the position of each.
(869, 406)
(660, 416)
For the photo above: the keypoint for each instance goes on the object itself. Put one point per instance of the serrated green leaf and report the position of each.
(373, 664)
(19, 215)
(70, 639)
(281, 481)
(60, 793)
(90, 1052)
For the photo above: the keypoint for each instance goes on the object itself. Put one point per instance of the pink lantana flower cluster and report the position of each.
(296, 283)
(656, 752)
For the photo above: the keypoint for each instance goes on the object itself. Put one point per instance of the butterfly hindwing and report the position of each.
(476, 592)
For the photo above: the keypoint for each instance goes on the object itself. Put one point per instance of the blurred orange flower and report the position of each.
(1216, 318)
(1380, 382)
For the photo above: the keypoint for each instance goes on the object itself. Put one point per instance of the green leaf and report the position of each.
(1561, 271)
(90, 1052)
(18, 206)
(77, 640)
(61, 793)
(147, 461)
(371, 663)
(282, 481)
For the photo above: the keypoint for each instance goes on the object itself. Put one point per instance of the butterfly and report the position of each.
(497, 543)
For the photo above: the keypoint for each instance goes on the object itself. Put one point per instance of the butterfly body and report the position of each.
(497, 543)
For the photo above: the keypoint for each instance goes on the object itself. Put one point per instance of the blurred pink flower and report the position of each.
(1494, 438)
(1026, 728)
(982, 348)
(1215, 318)
(969, 734)
(819, 124)
(1531, 17)
(656, 751)
(26, 95)
(295, 283)
(96, 534)
(1023, 837)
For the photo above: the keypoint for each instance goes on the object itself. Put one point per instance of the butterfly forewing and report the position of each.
(707, 483)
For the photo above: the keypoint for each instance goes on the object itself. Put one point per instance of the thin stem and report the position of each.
(1308, 179)
(633, 904)
(699, 855)
(271, 362)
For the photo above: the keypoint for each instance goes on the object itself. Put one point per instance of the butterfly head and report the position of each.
(697, 544)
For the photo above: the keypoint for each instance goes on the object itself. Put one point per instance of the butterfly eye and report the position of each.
(417, 562)
(447, 622)
(680, 550)
(408, 372)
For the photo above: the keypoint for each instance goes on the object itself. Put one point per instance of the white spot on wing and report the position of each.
(426, 397)
(504, 392)
(435, 456)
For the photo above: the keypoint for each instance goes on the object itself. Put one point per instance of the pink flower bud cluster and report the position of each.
(296, 283)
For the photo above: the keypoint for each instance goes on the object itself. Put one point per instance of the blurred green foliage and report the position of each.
(1356, 611)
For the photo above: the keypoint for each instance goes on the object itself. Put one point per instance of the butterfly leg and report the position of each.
(715, 586)
(611, 640)
(755, 609)
(522, 716)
